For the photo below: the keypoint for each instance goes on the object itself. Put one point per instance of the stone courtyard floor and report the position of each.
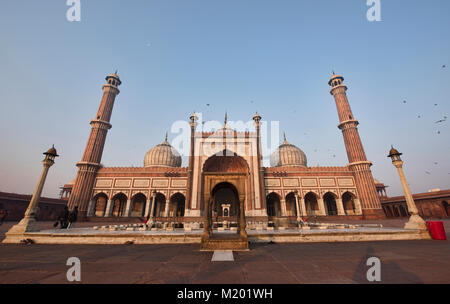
(423, 261)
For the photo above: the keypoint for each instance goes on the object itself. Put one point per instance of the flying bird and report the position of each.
(427, 172)
(438, 132)
(404, 101)
(439, 121)
(443, 66)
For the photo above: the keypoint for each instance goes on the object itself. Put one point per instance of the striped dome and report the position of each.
(163, 155)
(288, 155)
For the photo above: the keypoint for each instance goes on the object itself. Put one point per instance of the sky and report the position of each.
(240, 56)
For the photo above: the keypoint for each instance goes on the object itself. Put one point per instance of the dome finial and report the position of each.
(167, 134)
(284, 135)
(226, 118)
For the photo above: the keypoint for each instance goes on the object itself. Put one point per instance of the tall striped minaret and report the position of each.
(358, 163)
(89, 164)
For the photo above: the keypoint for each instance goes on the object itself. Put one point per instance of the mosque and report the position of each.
(224, 175)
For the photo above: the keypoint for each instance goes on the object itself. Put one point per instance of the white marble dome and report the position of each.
(163, 155)
(288, 155)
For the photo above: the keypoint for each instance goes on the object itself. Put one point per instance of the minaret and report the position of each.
(358, 163)
(90, 163)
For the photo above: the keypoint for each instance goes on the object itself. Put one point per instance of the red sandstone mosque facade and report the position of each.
(225, 169)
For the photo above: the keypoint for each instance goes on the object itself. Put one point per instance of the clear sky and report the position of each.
(177, 56)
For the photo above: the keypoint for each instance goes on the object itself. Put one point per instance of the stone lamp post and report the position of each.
(415, 221)
(299, 212)
(28, 223)
(150, 221)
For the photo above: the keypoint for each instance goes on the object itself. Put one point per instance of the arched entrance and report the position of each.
(101, 201)
(225, 200)
(225, 179)
(312, 207)
(348, 200)
(273, 205)
(291, 208)
(119, 204)
(160, 205)
(330, 203)
(177, 205)
(138, 205)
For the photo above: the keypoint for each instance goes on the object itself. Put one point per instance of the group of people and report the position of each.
(67, 219)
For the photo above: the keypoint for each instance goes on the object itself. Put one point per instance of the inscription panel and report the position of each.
(309, 182)
(290, 182)
(272, 182)
(160, 183)
(345, 182)
(141, 183)
(122, 183)
(327, 182)
(179, 183)
(103, 183)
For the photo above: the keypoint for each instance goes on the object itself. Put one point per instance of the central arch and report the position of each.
(225, 179)
(225, 200)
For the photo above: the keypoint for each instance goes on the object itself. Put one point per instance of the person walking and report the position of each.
(63, 218)
(73, 218)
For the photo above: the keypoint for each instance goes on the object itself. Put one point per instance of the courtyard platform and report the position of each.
(132, 235)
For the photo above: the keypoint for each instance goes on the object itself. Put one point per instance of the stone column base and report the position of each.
(17, 232)
(27, 224)
(416, 222)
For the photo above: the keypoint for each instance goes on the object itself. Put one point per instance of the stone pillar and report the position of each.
(283, 207)
(340, 207)
(207, 227)
(109, 208)
(358, 209)
(147, 207)
(297, 206)
(152, 211)
(128, 208)
(91, 208)
(322, 209)
(415, 221)
(166, 209)
(242, 225)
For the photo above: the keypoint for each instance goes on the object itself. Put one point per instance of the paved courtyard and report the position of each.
(401, 262)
